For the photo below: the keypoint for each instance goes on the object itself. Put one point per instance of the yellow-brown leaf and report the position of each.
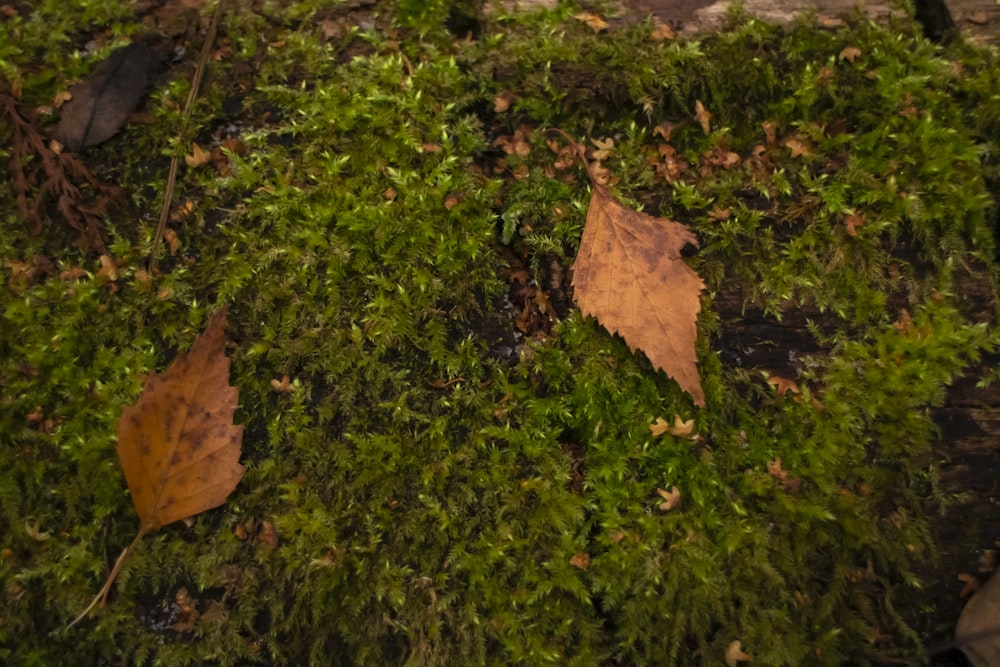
(629, 275)
(178, 445)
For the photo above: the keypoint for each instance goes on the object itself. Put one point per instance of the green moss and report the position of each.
(430, 496)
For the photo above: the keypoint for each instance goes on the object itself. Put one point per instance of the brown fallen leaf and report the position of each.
(977, 634)
(629, 275)
(268, 534)
(580, 560)
(185, 611)
(173, 241)
(101, 104)
(605, 148)
(718, 214)
(109, 268)
(178, 446)
(664, 130)
(682, 428)
(789, 484)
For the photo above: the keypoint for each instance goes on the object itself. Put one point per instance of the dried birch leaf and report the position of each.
(101, 104)
(629, 275)
(178, 445)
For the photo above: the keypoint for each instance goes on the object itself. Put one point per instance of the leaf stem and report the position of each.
(578, 149)
(102, 596)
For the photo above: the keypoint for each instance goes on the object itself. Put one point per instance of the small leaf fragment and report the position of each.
(593, 21)
(852, 222)
(682, 428)
(661, 31)
(703, 116)
(198, 157)
(35, 532)
(282, 386)
(268, 534)
(849, 53)
(503, 101)
(671, 498)
(796, 147)
(783, 385)
(735, 654)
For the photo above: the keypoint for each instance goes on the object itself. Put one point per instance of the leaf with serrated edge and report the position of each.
(178, 445)
(629, 275)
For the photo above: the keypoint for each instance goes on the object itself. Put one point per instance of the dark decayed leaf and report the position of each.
(103, 101)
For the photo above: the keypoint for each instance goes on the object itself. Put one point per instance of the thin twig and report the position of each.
(206, 50)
